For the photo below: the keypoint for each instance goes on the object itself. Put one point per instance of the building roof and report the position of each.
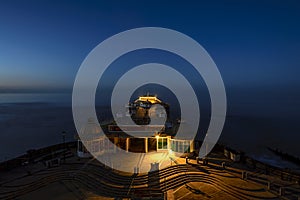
(151, 99)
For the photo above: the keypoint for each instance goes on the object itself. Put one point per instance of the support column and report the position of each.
(116, 141)
(146, 145)
(127, 144)
(192, 147)
(169, 142)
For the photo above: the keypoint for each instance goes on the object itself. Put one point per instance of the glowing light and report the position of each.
(151, 99)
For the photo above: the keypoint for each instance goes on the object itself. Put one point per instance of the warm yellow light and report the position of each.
(157, 136)
(152, 99)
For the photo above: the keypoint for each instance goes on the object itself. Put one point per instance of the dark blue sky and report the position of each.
(255, 44)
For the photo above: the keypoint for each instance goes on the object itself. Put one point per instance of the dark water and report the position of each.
(59, 98)
(36, 120)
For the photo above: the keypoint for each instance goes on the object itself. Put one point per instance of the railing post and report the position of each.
(281, 191)
(205, 161)
(223, 165)
(269, 185)
(198, 160)
(186, 160)
(244, 175)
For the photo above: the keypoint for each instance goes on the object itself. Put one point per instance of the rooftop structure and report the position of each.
(148, 139)
(151, 99)
(146, 107)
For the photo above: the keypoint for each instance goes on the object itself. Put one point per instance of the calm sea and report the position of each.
(60, 98)
(29, 121)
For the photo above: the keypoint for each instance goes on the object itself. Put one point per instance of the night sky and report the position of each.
(255, 44)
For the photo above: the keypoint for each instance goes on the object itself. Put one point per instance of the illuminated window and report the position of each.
(162, 143)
